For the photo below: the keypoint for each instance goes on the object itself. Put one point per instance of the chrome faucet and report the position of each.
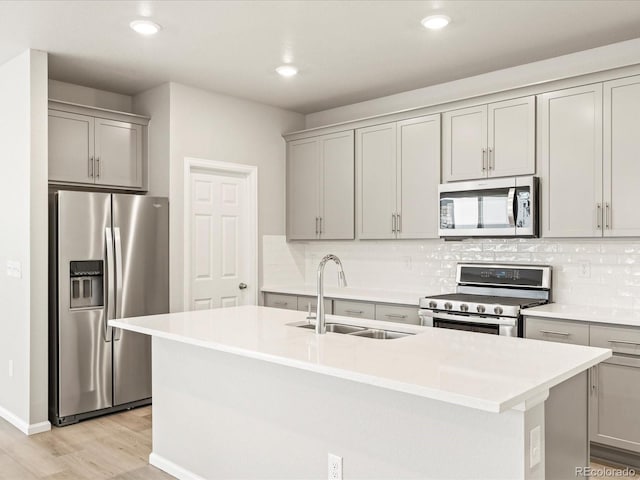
(342, 282)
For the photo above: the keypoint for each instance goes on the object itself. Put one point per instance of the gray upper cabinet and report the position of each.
(621, 157)
(398, 172)
(494, 140)
(118, 153)
(320, 187)
(90, 146)
(570, 126)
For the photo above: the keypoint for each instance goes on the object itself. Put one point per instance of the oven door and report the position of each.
(505, 326)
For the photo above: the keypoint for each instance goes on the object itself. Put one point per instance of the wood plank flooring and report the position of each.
(114, 447)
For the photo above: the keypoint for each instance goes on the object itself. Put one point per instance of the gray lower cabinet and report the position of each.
(305, 302)
(615, 389)
(553, 330)
(89, 146)
(278, 300)
(396, 313)
(352, 308)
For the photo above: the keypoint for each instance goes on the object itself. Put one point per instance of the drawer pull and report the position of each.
(284, 304)
(394, 315)
(625, 342)
(355, 312)
(551, 332)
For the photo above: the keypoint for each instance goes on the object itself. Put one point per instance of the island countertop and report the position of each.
(485, 372)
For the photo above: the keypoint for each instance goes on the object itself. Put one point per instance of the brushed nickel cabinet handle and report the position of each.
(484, 159)
(316, 225)
(394, 315)
(492, 159)
(284, 304)
(625, 342)
(98, 167)
(320, 229)
(355, 312)
(606, 216)
(399, 217)
(90, 167)
(598, 216)
(393, 223)
(551, 332)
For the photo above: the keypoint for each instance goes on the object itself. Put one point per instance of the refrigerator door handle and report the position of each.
(118, 248)
(109, 311)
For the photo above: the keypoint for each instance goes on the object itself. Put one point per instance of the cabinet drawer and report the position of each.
(395, 313)
(554, 330)
(277, 300)
(303, 304)
(354, 309)
(625, 340)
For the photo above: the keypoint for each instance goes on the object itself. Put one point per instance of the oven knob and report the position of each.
(498, 310)
(433, 304)
(448, 306)
(480, 308)
(464, 307)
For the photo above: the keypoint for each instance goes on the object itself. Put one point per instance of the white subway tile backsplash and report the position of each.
(612, 277)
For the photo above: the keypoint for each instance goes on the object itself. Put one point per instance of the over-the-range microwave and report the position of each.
(498, 207)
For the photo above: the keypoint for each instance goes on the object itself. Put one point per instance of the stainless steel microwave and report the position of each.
(499, 207)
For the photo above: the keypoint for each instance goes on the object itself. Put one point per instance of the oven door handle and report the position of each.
(511, 208)
(508, 321)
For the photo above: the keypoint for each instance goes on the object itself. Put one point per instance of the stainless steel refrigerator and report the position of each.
(109, 258)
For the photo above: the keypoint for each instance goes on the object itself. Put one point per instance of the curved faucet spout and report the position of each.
(342, 282)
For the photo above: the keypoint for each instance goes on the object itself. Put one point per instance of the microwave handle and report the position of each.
(511, 214)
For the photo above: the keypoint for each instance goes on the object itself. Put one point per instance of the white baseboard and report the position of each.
(172, 468)
(24, 427)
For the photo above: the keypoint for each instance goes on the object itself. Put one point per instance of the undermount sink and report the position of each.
(355, 331)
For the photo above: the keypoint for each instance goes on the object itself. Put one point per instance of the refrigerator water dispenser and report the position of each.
(86, 279)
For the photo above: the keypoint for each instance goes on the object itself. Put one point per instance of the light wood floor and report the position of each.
(112, 447)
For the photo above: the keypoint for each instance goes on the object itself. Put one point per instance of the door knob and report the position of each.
(242, 286)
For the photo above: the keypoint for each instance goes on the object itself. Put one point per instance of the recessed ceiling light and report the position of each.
(145, 27)
(435, 22)
(287, 70)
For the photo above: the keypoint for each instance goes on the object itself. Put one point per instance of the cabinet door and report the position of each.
(70, 147)
(418, 177)
(398, 314)
(118, 153)
(337, 193)
(621, 156)
(303, 184)
(348, 308)
(570, 127)
(554, 330)
(464, 135)
(376, 192)
(305, 302)
(615, 403)
(278, 300)
(512, 139)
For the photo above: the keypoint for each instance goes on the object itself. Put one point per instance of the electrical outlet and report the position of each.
(585, 270)
(535, 453)
(408, 263)
(335, 467)
(10, 368)
(14, 269)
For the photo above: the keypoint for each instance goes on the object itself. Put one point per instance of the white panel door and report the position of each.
(512, 137)
(621, 157)
(118, 153)
(70, 147)
(570, 129)
(337, 193)
(376, 177)
(418, 177)
(303, 189)
(464, 144)
(219, 247)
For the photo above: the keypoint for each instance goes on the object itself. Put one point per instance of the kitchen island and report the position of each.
(240, 393)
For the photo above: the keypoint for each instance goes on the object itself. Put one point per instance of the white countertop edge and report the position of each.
(581, 313)
(376, 296)
(434, 394)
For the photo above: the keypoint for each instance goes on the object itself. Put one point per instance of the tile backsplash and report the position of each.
(597, 272)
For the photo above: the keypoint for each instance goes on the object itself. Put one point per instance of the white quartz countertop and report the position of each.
(613, 316)
(486, 372)
(348, 293)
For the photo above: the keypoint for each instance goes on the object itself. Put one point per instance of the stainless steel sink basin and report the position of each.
(334, 327)
(380, 334)
(355, 331)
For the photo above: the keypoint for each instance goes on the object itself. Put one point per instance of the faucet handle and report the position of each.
(309, 315)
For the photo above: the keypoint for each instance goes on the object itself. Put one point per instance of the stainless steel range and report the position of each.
(489, 298)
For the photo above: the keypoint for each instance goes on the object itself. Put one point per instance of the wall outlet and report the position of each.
(585, 269)
(335, 467)
(10, 368)
(535, 447)
(408, 263)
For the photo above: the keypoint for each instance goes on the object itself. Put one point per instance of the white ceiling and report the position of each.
(347, 51)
